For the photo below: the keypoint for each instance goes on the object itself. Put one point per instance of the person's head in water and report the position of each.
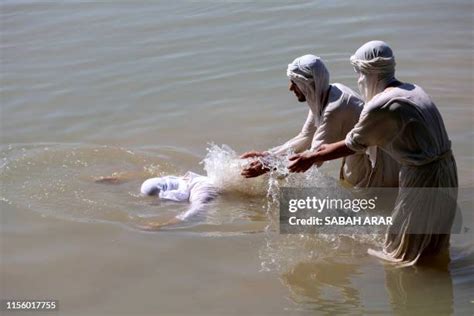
(309, 81)
(153, 186)
(374, 63)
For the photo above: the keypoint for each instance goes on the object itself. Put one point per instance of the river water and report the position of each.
(140, 89)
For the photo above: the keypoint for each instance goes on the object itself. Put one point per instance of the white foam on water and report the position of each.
(224, 166)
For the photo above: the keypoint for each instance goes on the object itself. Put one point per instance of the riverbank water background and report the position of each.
(101, 88)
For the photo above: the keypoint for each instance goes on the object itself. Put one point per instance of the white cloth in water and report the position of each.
(192, 187)
(404, 122)
(330, 122)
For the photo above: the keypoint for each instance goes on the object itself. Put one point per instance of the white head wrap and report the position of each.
(375, 64)
(311, 76)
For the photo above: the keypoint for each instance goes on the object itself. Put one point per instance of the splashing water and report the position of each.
(223, 167)
(280, 252)
(283, 252)
(56, 181)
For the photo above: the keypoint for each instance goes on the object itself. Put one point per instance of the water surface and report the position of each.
(101, 88)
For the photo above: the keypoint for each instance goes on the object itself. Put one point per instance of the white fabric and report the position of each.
(311, 76)
(405, 123)
(375, 64)
(192, 187)
(337, 118)
(330, 122)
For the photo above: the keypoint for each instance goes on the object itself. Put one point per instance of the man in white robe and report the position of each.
(334, 109)
(401, 120)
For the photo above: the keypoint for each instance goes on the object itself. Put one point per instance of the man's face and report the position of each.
(362, 83)
(299, 95)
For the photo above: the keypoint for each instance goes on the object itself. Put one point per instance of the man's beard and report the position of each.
(371, 86)
(302, 98)
(362, 84)
(367, 94)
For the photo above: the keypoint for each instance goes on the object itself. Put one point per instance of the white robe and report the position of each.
(405, 123)
(192, 187)
(338, 117)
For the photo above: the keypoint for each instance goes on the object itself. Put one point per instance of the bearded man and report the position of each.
(401, 120)
(334, 109)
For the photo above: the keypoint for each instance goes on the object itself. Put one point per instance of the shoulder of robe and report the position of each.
(348, 91)
(343, 99)
(391, 100)
(392, 106)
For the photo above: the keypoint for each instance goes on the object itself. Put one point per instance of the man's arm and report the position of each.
(304, 161)
(254, 154)
(255, 169)
(333, 151)
(299, 143)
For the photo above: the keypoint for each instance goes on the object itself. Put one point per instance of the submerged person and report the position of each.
(334, 109)
(401, 120)
(196, 189)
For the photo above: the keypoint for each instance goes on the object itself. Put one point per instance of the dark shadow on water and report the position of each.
(330, 287)
(325, 287)
(425, 288)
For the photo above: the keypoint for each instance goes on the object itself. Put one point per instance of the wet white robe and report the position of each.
(405, 123)
(339, 117)
(192, 187)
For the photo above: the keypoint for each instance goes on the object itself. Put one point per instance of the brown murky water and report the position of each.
(93, 89)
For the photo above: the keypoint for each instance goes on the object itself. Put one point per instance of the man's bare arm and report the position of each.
(254, 154)
(304, 161)
(255, 169)
(333, 151)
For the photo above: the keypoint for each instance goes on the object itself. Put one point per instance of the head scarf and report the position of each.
(311, 76)
(156, 186)
(375, 64)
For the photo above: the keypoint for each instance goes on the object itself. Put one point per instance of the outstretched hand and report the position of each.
(253, 154)
(255, 169)
(301, 162)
